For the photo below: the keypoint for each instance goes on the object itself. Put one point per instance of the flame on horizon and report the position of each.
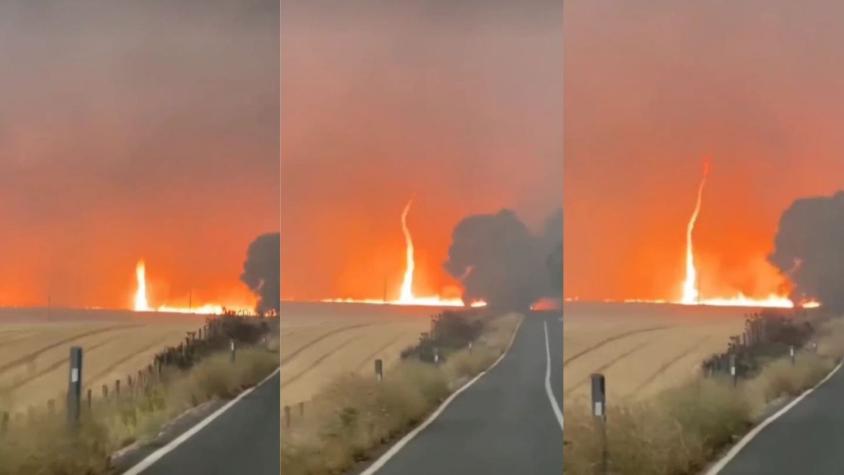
(142, 302)
(406, 295)
(691, 291)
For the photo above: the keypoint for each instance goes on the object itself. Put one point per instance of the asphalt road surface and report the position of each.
(504, 423)
(244, 439)
(806, 440)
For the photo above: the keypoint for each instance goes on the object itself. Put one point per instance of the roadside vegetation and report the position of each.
(683, 429)
(42, 443)
(356, 415)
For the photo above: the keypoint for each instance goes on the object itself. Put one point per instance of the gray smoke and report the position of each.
(809, 249)
(553, 240)
(500, 261)
(261, 272)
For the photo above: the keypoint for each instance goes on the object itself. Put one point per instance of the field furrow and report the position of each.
(325, 341)
(34, 354)
(34, 349)
(641, 349)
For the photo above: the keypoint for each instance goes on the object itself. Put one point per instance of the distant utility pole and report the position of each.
(190, 300)
(385, 288)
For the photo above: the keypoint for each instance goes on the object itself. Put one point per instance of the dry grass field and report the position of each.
(640, 348)
(35, 343)
(322, 341)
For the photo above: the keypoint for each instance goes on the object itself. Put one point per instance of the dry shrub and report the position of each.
(46, 446)
(355, 414)
(831, 339)
(674, 433)
(217, 377)
(465, 364)
(780, 380)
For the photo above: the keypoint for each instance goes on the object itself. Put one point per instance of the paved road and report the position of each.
(808, 439)
(243, 440)
(504, 423)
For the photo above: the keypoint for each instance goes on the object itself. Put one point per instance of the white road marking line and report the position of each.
(756, 430)
(383, 459)
(554, 405)
(158, 454)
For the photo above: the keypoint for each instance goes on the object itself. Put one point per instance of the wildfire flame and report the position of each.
(142, 303)
(410, 266)
(406, 295)
(691, 292)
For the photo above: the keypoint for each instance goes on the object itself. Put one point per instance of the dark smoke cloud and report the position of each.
(500, 261)
(809, 249)
(261, 272)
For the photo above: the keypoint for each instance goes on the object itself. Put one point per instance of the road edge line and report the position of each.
(715, 469)
(554, 406)
(150, 459)
(392, 451)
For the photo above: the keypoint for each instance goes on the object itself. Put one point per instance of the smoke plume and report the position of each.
(261, 272)
(809, 249)
(500, 261)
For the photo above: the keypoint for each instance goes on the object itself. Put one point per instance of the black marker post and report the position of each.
(74, 388)
(599, 411)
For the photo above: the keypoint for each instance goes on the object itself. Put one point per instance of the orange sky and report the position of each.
(651, 88)
(456, 103)
(127, 132)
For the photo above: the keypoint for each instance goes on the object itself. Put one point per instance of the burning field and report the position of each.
(34, 347)
(644, 346)
(34, 344)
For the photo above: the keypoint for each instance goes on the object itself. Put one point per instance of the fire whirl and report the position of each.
(406, 295)
(691, 294)
(141, 303)
(691, 291)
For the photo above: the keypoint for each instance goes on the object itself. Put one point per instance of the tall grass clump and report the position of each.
(674, 433)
